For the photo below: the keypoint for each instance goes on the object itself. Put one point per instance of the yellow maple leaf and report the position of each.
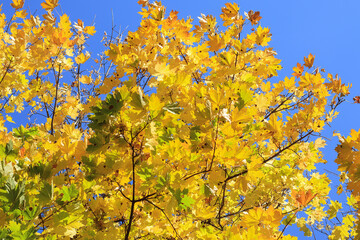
(21, 14)
(217, 96)
(289, 83)
(259, 216)
(9, 119)
(215, 42)
(90, 30)
(254, 217)
(65, 23)
(261, 36)
(273, 217)
(162, 69)
(85, 79)
(108, 84)
(155, 104)
(262, 102)
(229, 13)
(254, 172)
(82, 58)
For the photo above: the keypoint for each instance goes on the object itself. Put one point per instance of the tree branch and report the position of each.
(165, 216)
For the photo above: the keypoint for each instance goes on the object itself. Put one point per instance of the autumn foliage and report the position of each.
(178, 130)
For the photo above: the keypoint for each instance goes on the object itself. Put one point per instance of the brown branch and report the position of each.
(9, 23)
(194, 174)
(187, 63)
(295, 104)
(145, 198)
(57, 81)
(287, 224)
(133, 201)
(243, 172)
(43, 220)
(166, 217)
(222, 203)
(277, 107)
(216, 137)
(6, 71)
(78, 92)
(136, 200)
(237, 212)
(127, 198)
(213, 154)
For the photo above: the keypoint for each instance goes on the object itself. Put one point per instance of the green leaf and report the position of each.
(135, 63)
(162, 181)
(15, 193)
(88, 184)
(30, 213)
(99, 117)
(44, 170)
(89, 165)
(114, 103)
(97, 142)
(186, 202)
(173, 108)
(104, 109)
(69, 193)
(244, 98)
(61, 217)
(9, 147)
(182, 197)
(138, 99)
(195, 133)
(46, 193)
(4, 234)
(176, 193)
(335, 206)
(168, 135)
(3, 196)
(21, 232)
(24, 133)
(144, 173)
(110, 159)
(206, 190)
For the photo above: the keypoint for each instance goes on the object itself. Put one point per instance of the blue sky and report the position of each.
(327, 29)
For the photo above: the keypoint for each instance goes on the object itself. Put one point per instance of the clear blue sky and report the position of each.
(327, 29)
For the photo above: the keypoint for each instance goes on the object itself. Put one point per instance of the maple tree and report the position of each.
(178, 132)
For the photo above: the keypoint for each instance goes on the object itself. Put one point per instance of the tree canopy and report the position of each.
(179, 130)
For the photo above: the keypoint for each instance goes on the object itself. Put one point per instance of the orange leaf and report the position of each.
(17, 4)
(309, 61)
(356, 99)
(230, 10)
(298, 70)
(22, 152)
(144, 3)
(254, 17)
(49, 5)
(302, 197)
